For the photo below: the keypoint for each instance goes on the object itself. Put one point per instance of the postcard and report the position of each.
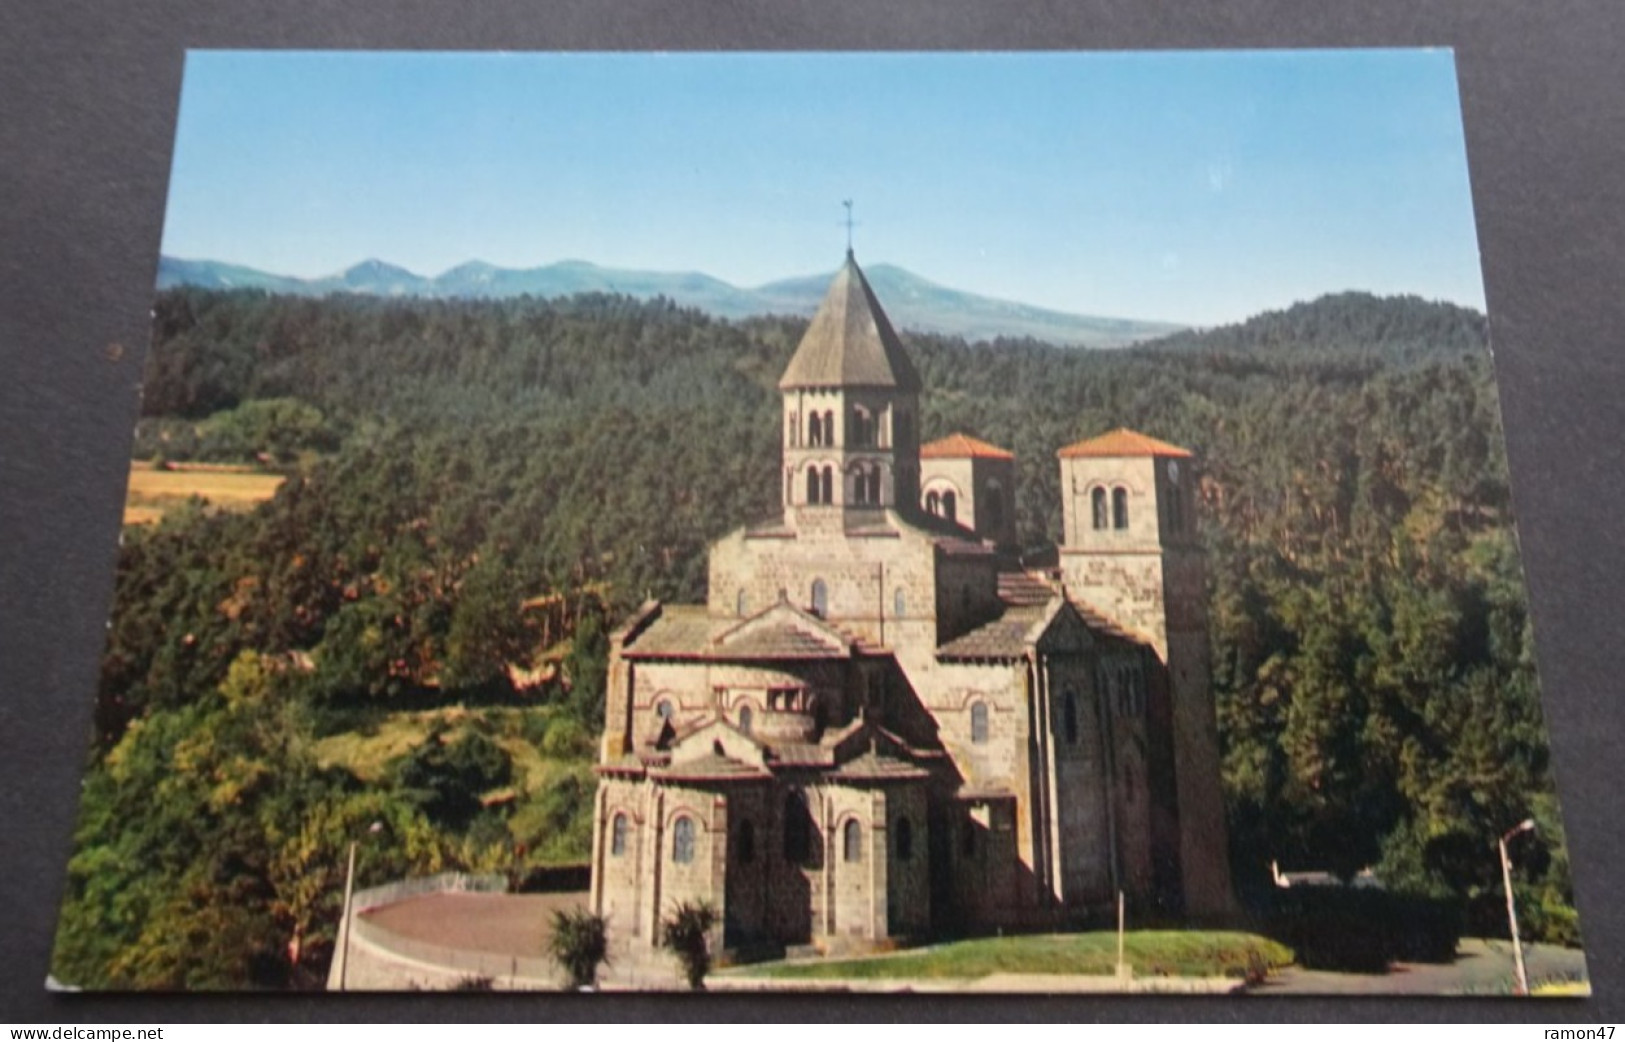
(894, 522)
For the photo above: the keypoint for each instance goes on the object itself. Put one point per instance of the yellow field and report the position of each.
(154, 492)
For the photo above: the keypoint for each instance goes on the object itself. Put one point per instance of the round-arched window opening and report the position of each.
(1119, 508)
(682, 841)
(664, 709)
(978, 723)
(852, 841)
(617, 836)
(746, 718)
(1097, 509)
(820, 598)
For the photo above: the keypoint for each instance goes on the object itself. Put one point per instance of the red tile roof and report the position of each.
(963, 446)
(1122, 442)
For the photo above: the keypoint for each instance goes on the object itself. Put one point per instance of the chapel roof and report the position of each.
(850, 342)
(1122, 442)
(963, 446)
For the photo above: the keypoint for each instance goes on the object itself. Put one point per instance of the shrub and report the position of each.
(686, 932)
(579, 944)
(1363, 930)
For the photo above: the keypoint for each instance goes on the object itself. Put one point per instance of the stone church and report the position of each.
(884, 724)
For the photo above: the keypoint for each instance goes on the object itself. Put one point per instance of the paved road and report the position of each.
(1481, 968)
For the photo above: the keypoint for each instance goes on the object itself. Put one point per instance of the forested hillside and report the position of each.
(477, 490)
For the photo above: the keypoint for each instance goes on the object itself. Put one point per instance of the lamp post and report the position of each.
(344, 927)
(1526, 825)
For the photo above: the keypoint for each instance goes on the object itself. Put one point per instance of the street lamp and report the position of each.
(1526, 825)
(344, 927)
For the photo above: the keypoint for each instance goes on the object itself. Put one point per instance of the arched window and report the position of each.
(1069, 709)
(863, 427)
(852, 841)
(1119, 507)
(874, 486)
(899, 603)
(829, 485)
(950, 506)
(745, 843)
(904, 838)
(978, 723)
(933, 504)
(797, 828)
(813, 485)
(617, 836)
(1097, 504)
(820, 598)
(815, 430)
(664, 709)
(829, 427)
(746, 718)
(860, 485)
(682, 841)
(741, 602)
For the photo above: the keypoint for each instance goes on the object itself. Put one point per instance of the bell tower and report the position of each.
(850, 427)
(1130, 550)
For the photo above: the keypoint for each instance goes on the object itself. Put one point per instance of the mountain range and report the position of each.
(911, 301)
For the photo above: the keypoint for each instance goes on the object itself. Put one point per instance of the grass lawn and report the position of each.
(1162, 953)
(153, 492)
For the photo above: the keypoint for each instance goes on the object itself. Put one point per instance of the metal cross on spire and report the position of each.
(848, 204)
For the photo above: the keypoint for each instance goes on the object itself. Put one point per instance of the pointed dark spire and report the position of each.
(850, 342)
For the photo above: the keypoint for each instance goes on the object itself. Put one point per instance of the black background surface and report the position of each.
(87, 111)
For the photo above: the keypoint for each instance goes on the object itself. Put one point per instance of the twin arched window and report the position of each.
(863, 427)
(820, 485)
(682, 840)
(866, 485)
(1118, 517)
(821, 429)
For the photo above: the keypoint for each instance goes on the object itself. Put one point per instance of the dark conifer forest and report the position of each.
(476, 492)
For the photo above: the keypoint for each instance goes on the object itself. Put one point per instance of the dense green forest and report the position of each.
(482, 488)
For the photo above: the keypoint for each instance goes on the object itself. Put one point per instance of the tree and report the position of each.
(687, 934)
(579, 943)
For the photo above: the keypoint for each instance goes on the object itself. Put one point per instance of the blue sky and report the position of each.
(1198, 187)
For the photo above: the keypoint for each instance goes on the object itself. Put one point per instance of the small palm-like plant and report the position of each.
(579, 944)
(686, 932)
